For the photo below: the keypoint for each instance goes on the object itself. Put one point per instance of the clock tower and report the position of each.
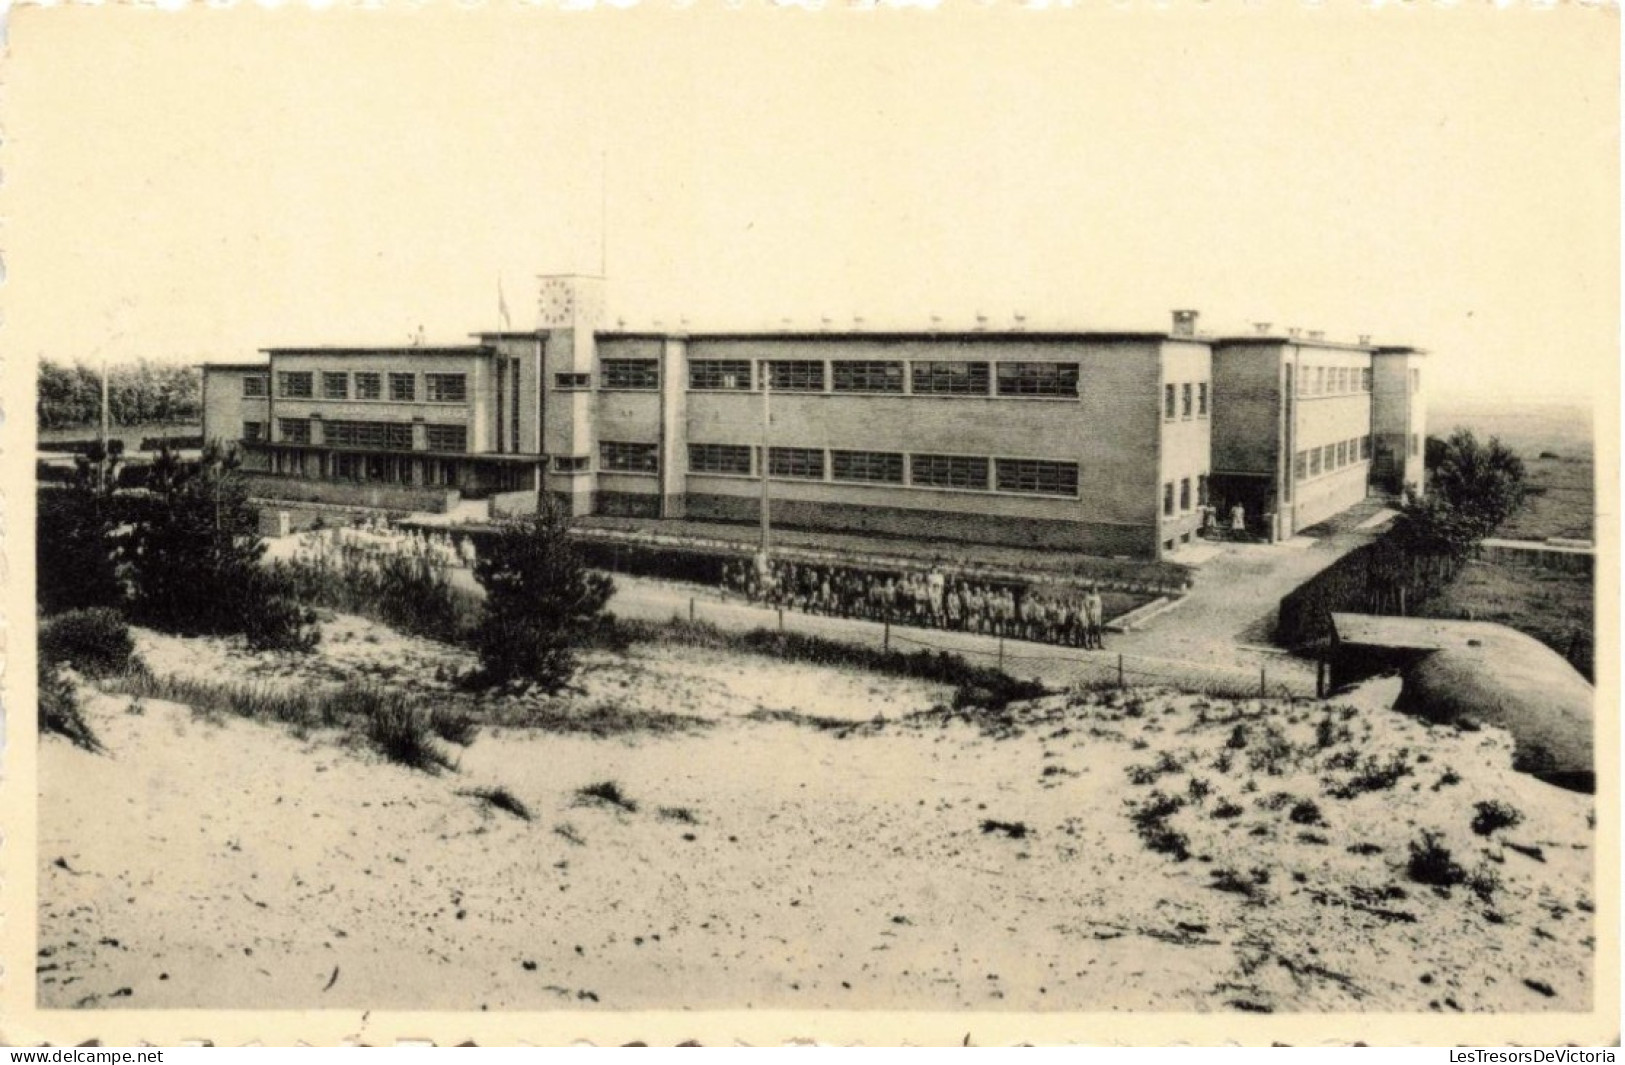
(569, 307)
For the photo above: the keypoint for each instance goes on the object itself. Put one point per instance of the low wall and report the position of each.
(1536, 555)
(513, 504)
(380, 496)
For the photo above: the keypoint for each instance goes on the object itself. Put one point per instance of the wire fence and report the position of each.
(1051, 665)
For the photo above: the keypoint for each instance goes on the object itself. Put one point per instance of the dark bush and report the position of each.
(401, 733)
(503, 799)
(59, 710)
(606, 793)
(454, 725)
(1431, 863)
(1494, 814)
(96, 642)
(1305, 812)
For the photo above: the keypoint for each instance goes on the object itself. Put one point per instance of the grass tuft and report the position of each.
(606, 793)
(502, 799)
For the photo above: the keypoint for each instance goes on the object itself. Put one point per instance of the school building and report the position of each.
(1105, 443)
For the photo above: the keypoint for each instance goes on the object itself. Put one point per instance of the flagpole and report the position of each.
(106, 456)
(767, 421)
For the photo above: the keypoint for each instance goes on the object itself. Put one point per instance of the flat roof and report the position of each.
(1417, 634)
(391, 349)
(232, 365)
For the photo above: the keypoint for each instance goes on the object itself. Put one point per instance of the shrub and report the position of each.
(1371, 776)
(502, 799)
(275, 622)
(454, 725)
(1305, 812)
(96, 642)
(1226, 810)
(1494, 814)
(1249, 886)
(1431, 863)
(75, 554)
(606, 793)
(59, 710)
(401, 734)
(1150, 820)
(539, 600)
(1012, 829)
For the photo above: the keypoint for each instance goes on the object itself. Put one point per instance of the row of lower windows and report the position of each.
(1333, 380)
(974, 473)
(403, 387)
(1183, 497)
(374, 436)
(1185, 400)
(1330, 457)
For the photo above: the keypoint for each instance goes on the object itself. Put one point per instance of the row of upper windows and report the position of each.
(373, 436)
(403, 387)
(1184, 496)
(1185, 400)
(1330, 457)
(895, 377)
(975, 473)
(1334, 380)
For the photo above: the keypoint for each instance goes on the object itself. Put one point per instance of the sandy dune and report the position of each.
(771, 862)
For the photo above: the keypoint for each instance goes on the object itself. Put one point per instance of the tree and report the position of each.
(195, 557)
(1483, 483)
(539, 598)
(76, 544)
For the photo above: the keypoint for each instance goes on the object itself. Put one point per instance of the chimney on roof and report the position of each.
(1184, 323)
(857, 321)
(1317, 334)
(1293, 331)
(1365, 338)
(981, 321)
(1020, 321)
(1263, 328)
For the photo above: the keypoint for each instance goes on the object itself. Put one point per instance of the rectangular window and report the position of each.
(446, 437)
(293, 430)
(1036, 477)
(571, 463)
(1416, 445)
(1320, 380)
(572, 382)
(1304, 381)
(1170, 401)
(1184, 493)
(1314, 462)
(1300, 465)
(795, 376)
(253, 431)
(641, 374)
(724, 375)
(948, 471)
(806, 463)
(628, 458)
(1342, 454)
(372, 436)
(1326, 455)
(865, 376)
(445, 387)
(1201, 490)
(294, 384)
(369, 386)
(949, 378)
(1365, 380)
(1201, 400)
(1185, 404)
(254, 386)
(719, 458)
(335, 386)
(403, 387)
(1365, 448)
(869, 467)
(1038, 379)
(1168, 499)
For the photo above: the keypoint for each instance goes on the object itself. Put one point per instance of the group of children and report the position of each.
(930, 599)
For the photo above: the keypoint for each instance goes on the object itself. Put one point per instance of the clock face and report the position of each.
(557, 302)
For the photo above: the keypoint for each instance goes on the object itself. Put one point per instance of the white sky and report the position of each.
(196, 186)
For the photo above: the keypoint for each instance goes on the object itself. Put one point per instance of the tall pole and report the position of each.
(106, 457)
(767, 421)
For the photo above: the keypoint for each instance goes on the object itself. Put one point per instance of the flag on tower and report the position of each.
(502, 307)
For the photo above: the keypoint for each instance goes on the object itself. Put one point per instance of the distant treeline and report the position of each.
(138, 393)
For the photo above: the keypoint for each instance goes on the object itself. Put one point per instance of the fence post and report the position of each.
(691, 608)
(1263, 687)
(1320, 676)
(885, 635)
(1001, 652)
(1120, 671)
(781, 619)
